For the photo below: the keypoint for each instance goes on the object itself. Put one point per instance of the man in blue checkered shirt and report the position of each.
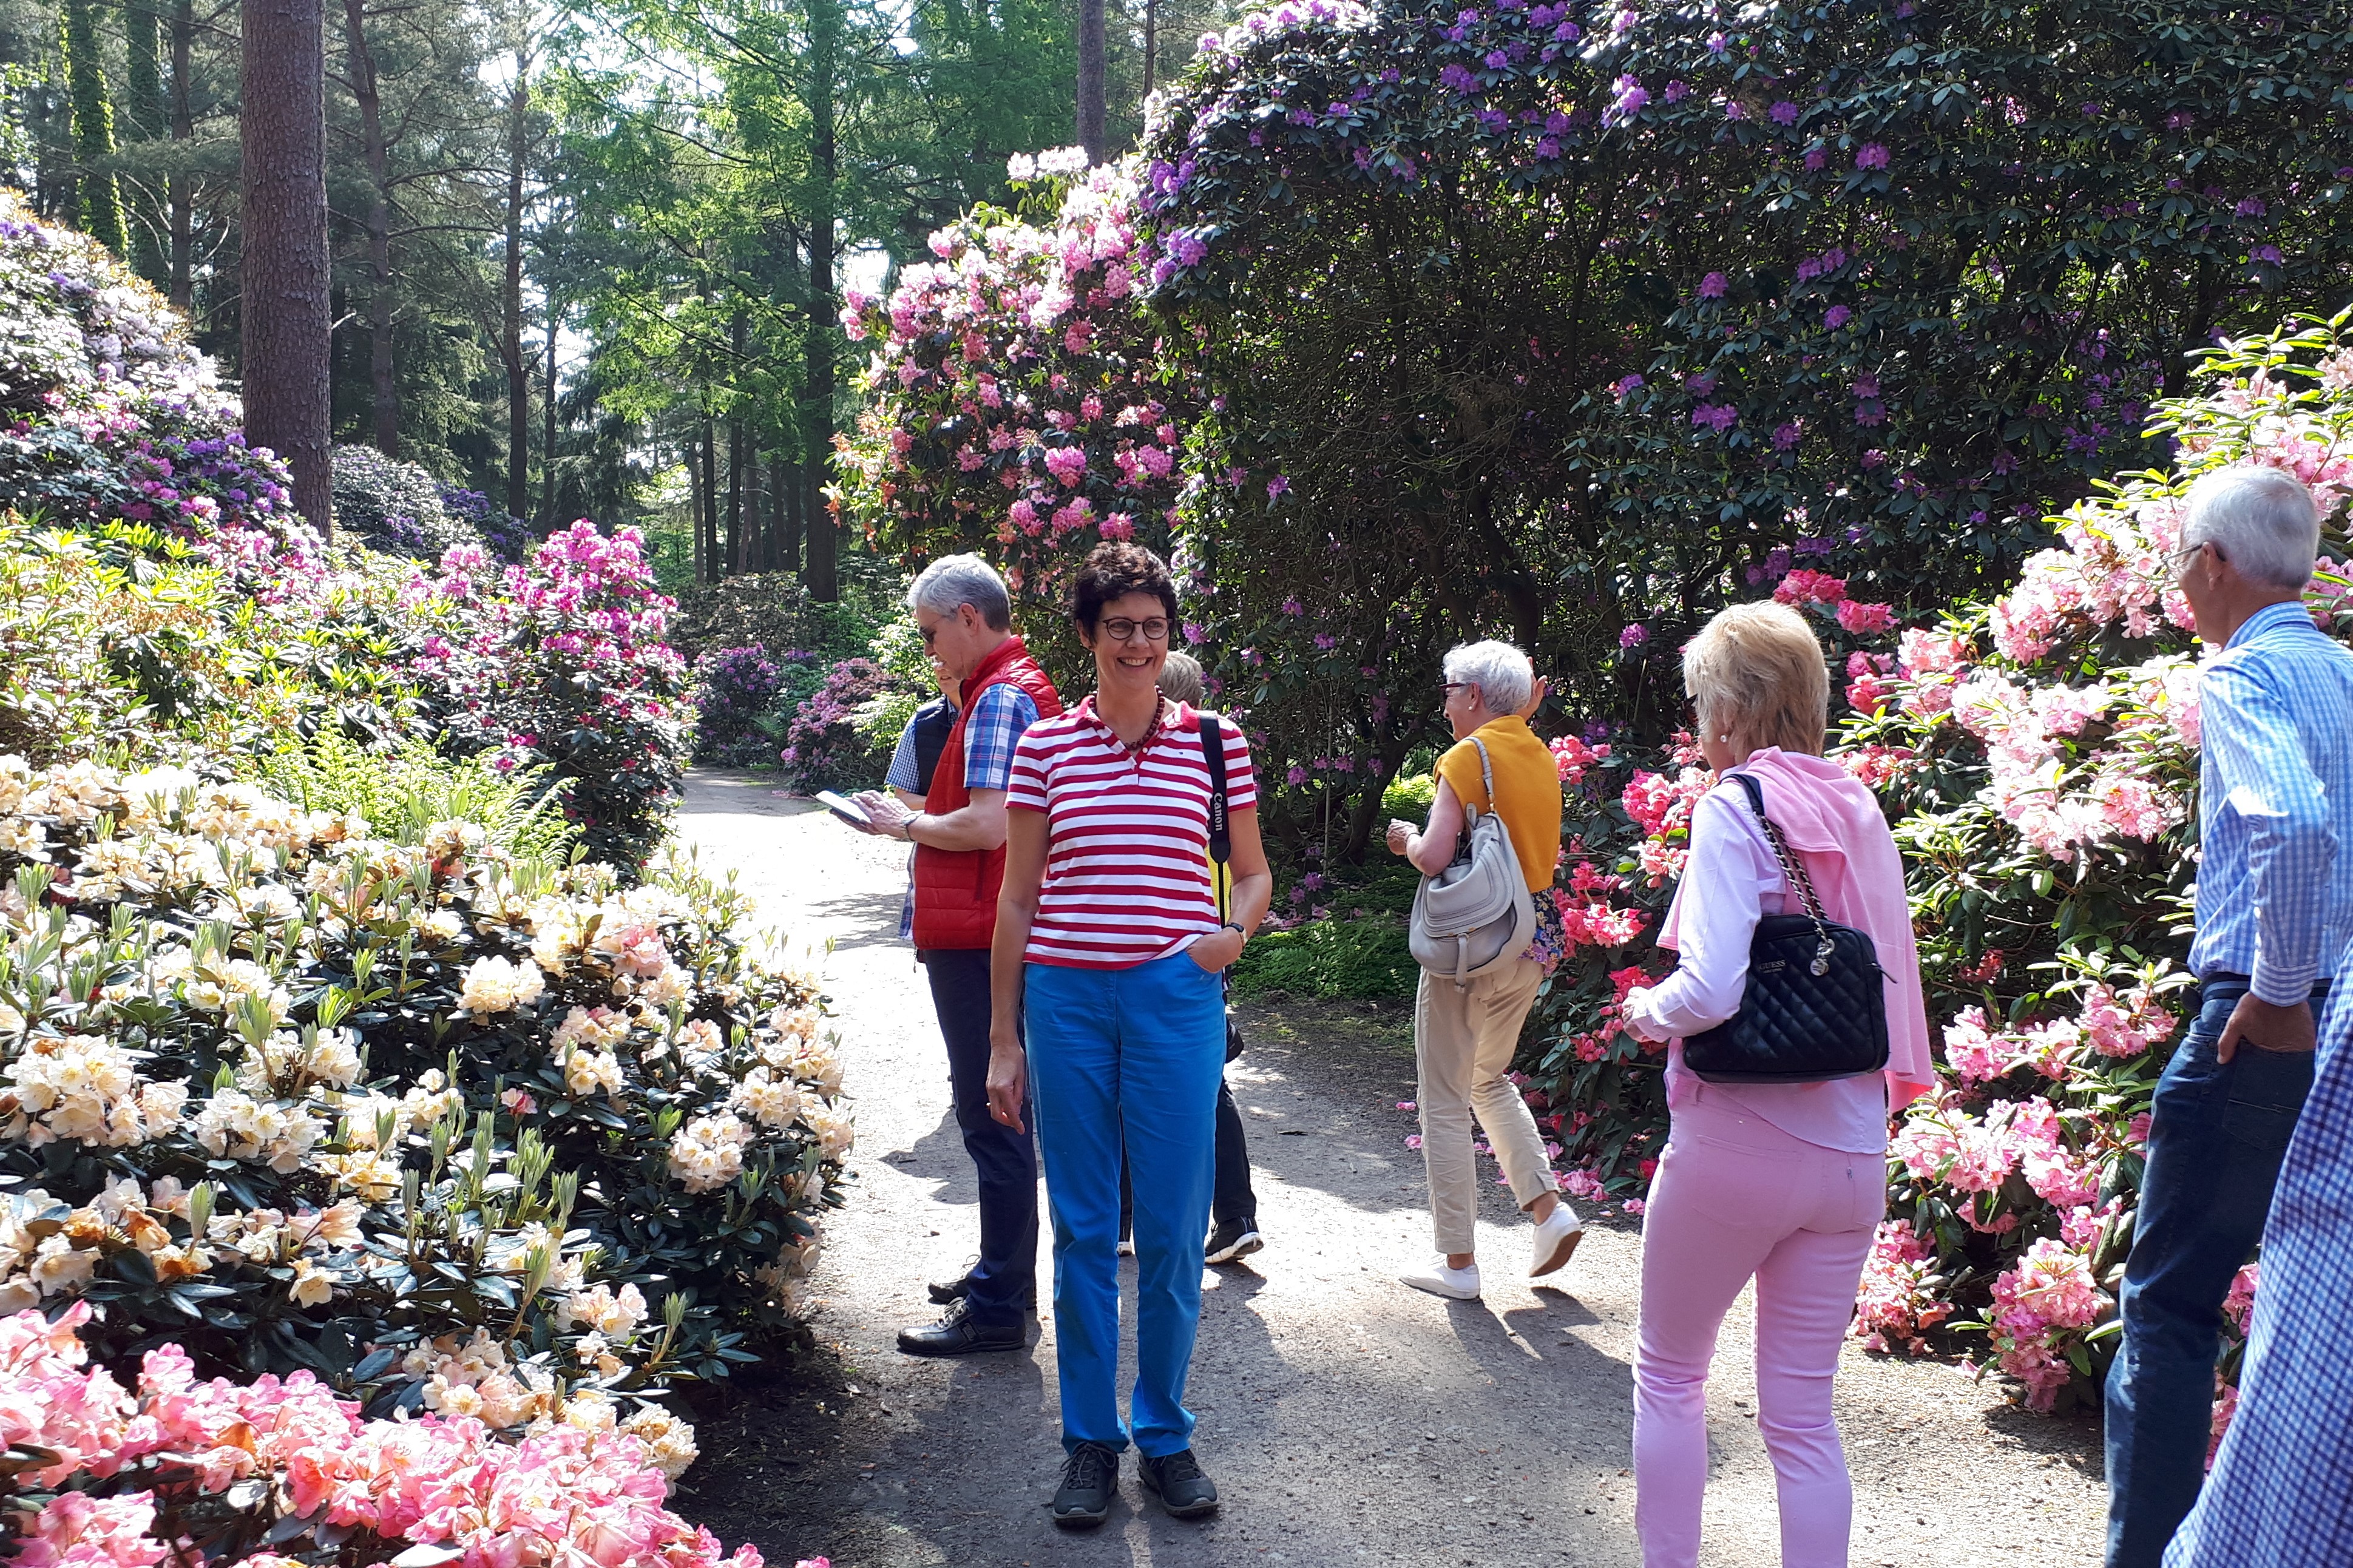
(2274, 906)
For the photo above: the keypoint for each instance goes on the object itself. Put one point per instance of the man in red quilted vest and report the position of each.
(966, 620)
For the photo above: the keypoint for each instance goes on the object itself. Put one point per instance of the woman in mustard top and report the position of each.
(1464, 1038)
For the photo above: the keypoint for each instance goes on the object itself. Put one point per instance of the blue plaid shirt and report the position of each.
(998, 716)
(2276, 806)
(2280, 1495)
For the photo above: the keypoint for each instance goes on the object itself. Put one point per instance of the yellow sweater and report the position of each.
(1527, 791)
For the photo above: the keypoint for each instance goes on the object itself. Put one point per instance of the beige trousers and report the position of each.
(1463, 1040)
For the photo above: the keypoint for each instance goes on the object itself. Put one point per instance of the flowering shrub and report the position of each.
(107, 410)
(395, 506)
(429, 1120)
(271, 1473)
(827, 746)
(506, 535)
(1018, 405)
(1768, 310)
(2040, 753)
(735, 701)
(564, 661)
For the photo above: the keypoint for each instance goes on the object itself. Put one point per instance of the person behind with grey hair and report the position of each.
(2274, 910)
(966, 619)
(1464, 1037)
(1233, 1203)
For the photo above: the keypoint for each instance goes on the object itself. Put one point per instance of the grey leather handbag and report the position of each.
(1476, 913)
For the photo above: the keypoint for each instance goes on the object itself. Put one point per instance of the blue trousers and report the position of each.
(2217, 1135)
(1126, 1059)
(1002, 1159)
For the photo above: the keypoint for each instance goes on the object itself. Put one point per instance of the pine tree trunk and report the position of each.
(1151, 46)
(783, 483)
(816, 390)
(143, 115)
(282, 310)
(694, 505)
(713, 560)
(510, 336)
(383, 372)
(1091, 79)
(99, 211)
(547, 496)
(183, 131)
(738, 543)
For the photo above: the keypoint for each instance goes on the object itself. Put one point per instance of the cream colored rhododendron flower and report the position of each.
(707, 1151)
(495, 985)
(84, 1088)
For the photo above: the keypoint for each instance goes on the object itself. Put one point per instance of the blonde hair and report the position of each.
(1757, 676)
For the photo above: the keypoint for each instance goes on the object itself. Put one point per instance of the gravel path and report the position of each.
(1346, 1419)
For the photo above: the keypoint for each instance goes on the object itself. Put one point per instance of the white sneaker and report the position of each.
(1557, 1235)
(1126, 1247)
(1458, 1284)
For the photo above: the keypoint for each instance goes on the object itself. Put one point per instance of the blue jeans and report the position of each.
(2217, 1135)
(1126, 1059)
(1003, 1161)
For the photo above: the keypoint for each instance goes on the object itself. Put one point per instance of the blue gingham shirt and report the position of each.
(998, 716)
(2276, 806)
(2280, 1495)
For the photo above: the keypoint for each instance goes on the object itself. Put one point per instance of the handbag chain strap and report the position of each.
(1794, 870)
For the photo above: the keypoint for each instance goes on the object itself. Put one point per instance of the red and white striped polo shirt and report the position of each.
(1127, 853)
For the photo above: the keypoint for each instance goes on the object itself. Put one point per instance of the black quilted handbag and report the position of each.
(1816, 1006)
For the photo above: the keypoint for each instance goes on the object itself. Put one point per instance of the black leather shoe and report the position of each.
(957, 1289)
(1178, 1481)
(1090, 1480)
(956, 1334)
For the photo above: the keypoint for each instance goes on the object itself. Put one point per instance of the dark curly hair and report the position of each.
(1113, 568)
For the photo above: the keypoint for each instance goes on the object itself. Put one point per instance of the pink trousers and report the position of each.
(1737, 1198)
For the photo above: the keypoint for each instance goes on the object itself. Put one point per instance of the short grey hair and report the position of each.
(955, 580)
(1503, 675)
(1180, 677)
(2261, 517)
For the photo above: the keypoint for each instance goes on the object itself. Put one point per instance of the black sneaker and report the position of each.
(956, 1334)
(1178, 1481)
(1090, 1480)
(1233, 1239)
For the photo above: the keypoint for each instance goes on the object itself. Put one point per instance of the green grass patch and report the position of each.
(1331, 960)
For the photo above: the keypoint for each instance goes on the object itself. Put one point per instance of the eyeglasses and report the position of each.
(1449, 688)
(2180, 557)
(1119, 629)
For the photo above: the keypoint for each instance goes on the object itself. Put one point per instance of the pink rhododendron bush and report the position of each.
(452, 1127)
(175, 1468)
(1018, 402)
(2039, 755)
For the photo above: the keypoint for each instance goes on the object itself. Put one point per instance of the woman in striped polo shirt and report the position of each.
(1109, 948)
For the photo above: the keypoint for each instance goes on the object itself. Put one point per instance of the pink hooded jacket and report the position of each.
(1833, 824)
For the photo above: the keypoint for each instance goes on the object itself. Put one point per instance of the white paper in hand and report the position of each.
(842, 806)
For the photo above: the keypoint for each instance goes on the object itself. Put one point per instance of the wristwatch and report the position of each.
(1236, 927)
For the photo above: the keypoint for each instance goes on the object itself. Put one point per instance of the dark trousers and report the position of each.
(1232, 1198)
(2217, 1135)
(1005, 1161)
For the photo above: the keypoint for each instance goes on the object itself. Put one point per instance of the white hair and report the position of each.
(1180, 677)
(1503, 675)
(955, 580)
(2261, 517)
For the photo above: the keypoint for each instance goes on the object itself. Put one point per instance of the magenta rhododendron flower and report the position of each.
(1872, 155)
(1713, 286)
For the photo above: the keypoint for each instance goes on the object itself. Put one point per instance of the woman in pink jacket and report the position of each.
(1783, 1182)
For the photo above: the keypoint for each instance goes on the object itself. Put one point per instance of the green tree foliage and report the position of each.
(1557, 319)
(99, 206)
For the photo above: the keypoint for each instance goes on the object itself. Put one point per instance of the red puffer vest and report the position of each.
(956, 889)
